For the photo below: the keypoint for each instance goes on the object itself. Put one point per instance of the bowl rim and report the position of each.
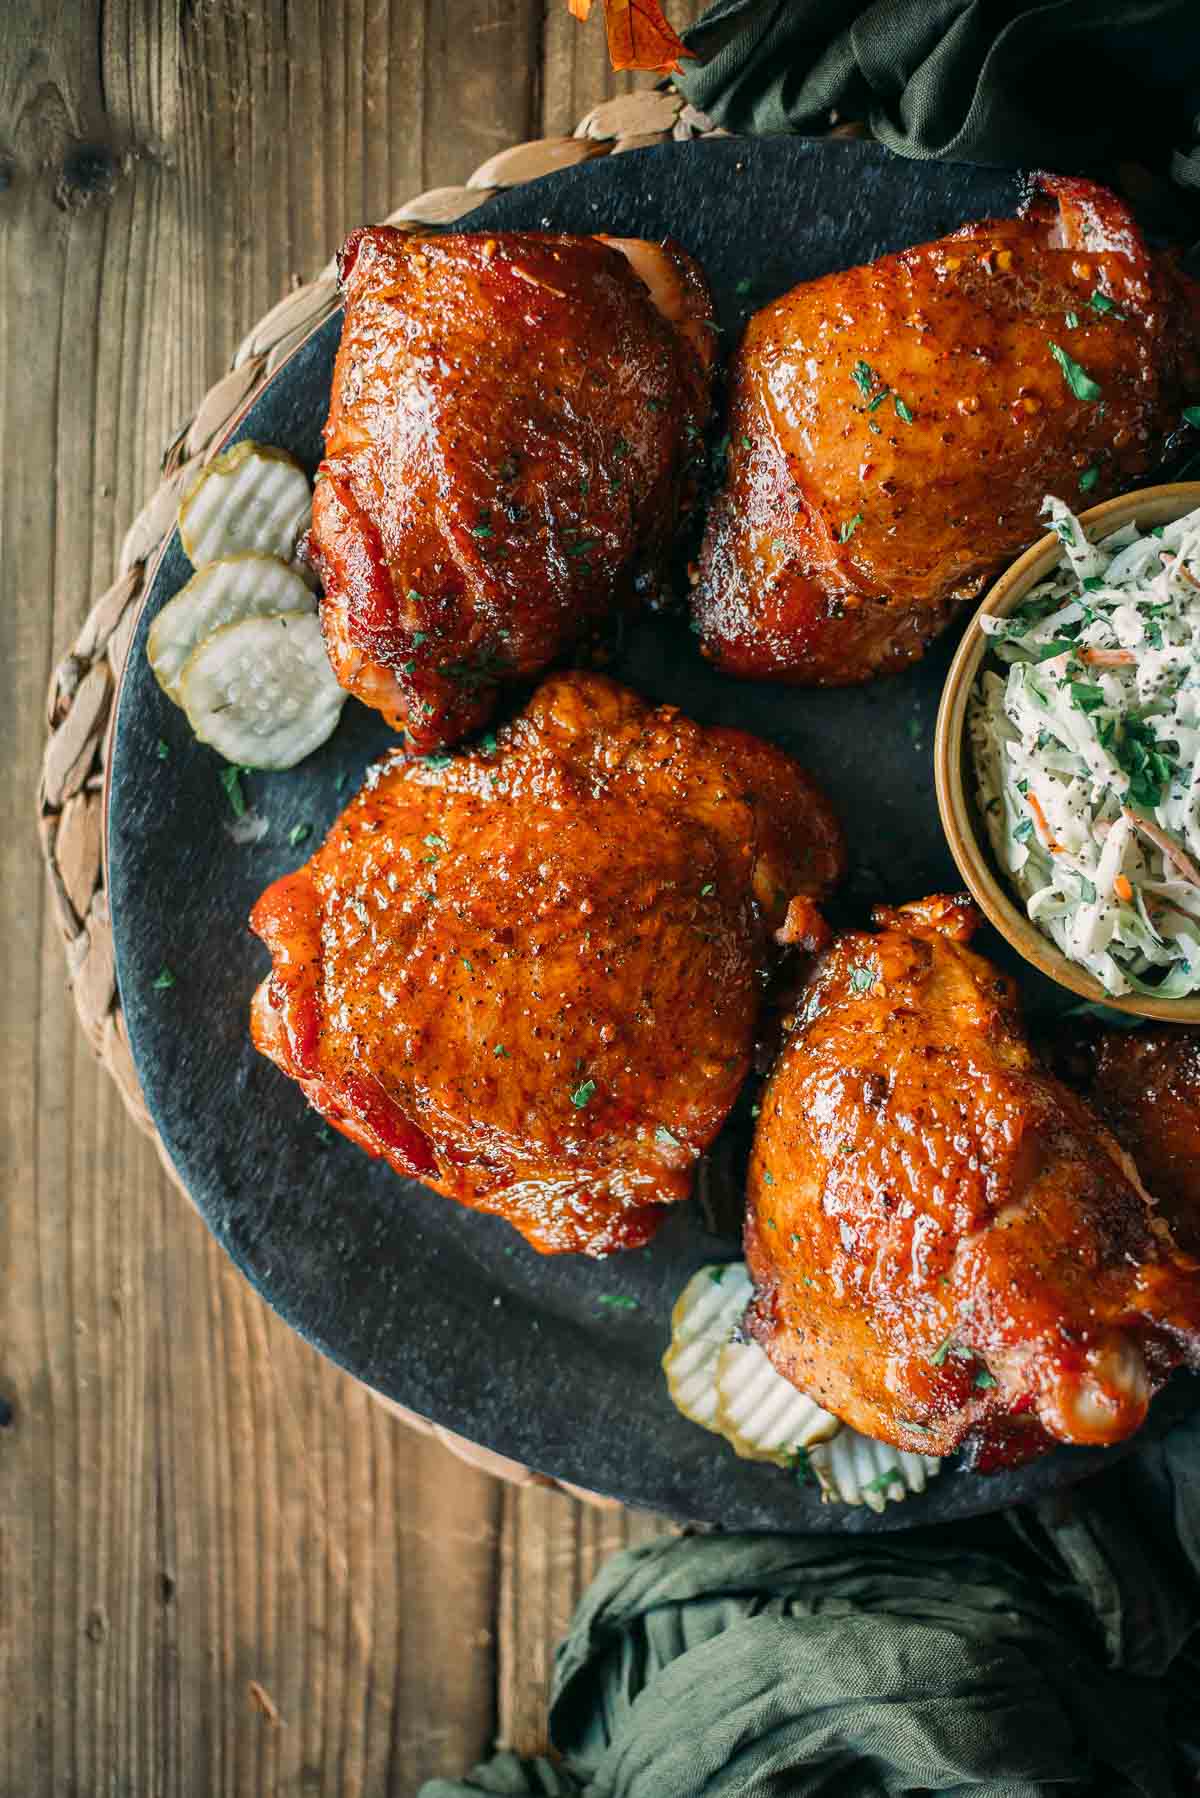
(955, 787)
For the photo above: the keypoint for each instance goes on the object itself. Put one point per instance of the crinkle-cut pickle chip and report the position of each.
(854, 1470)
(248, 585)
(250, 497)
(261, 691)
(705, 1316)
(762, 1416)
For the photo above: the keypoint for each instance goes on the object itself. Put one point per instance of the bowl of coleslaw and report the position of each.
(1067, 754)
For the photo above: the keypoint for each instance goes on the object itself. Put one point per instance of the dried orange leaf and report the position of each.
(639, 37)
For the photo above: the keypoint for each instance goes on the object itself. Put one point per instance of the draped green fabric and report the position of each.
(1050, 1651)
(1069, 84)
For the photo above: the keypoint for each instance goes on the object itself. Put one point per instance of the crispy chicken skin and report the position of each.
(514, 431)
(529, 975)
(1145, 1084)
(947, 1245)
(893, 430)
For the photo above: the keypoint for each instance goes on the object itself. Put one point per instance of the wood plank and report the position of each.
(190, 1499)
(552, 1548)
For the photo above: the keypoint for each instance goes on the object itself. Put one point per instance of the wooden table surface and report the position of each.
(191, 1501)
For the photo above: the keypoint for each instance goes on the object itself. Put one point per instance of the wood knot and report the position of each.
(89, 173)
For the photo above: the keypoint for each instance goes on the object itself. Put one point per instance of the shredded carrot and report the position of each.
(1108, 658)
(1174, 854)
(1039, 818)
(1123, 889)
(1186, 573)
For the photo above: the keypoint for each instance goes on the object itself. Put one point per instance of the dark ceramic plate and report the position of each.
(447, 1312)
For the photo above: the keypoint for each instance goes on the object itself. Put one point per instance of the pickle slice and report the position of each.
(251, 497)
(854, 1470)
(706, 1314)
(261, 691)
(242, 586)
(762, 1416)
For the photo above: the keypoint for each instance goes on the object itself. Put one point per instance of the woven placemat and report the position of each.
(84, 684)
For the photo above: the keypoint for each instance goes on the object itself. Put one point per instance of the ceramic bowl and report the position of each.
(955, 778)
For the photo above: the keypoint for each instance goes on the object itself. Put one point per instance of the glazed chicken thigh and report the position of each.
(893, 430)
(514, 431)
(947, 1246)
(529, 976)
(1145, 1084)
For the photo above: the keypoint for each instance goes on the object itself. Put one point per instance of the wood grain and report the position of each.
(223, 1568)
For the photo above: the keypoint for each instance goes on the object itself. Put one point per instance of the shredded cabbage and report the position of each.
(1085, 738)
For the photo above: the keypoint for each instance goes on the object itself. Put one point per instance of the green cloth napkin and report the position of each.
(1049, 1651)
(1069, 85)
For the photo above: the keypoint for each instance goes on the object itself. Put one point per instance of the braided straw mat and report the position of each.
(83, 686)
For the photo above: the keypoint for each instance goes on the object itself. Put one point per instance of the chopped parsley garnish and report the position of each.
(1140, 755)
(746, 443)
(164, 979)
(408, 667)
(717, 1274)
(162, 751)
(501, 1051)
(902, 411)
(891, 1476)
(299, 833)
(1058, 646)
(483, 528)
(847, 530)
(864, 378)
(801, 1468)
(1023, 830)
(862, 979)
(416, 598)
(468, 965)
(666, 1137)
(1076, 377)
(743, 286)
(938, 1357)
(231, 780)
(778, 546)
(1088, 479)
(1084, 696)
(437, 758)
(582, 1094)
(1191, 416)
(1100, 302)
(434, 842)
(769, 1180)
(984, 1381)
(709, 887)
(418, 637)
(1072, 321)
(619, 1301)
(620, 448)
